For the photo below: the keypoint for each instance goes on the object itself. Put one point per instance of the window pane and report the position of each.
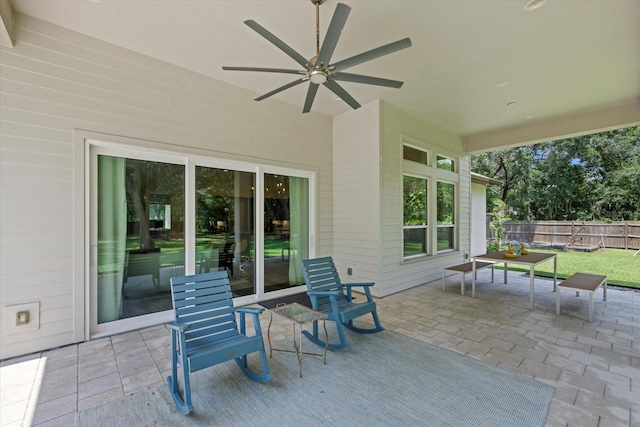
(140, 235)
(444, 163)
(286, 230)
(446, 206)
(225, 226)
(445, 238)
(415, 241)
(415, 200)
(415, 155)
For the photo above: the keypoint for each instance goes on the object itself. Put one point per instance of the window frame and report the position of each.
(433, 175)
(92, 144)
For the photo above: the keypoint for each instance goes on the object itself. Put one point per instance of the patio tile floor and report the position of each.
(595, 367)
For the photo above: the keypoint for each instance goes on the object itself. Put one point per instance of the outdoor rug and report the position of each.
(384, 379)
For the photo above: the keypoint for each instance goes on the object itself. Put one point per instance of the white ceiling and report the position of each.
(567, 57)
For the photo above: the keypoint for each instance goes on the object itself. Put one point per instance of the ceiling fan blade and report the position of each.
(357, 78)
(277, 42)
(338, 90)
(371, 54)
(311, 94)
(280, 89)
(333, 34)
(263, 70)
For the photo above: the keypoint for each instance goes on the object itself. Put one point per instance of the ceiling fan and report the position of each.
(319, 70)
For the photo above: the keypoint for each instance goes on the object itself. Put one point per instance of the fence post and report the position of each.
(626, 234)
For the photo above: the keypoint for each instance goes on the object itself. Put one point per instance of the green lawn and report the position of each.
(619, 265)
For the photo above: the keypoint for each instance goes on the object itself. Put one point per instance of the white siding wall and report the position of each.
(395, 275)
(368, 197)
(55, 82)
(356, 194)
(478, 219)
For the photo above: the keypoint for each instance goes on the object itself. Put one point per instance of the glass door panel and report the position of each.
(286, 230)
(225, 238)
(140, 230)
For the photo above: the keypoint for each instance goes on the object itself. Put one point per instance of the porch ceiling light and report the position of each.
(533, 5)
(318, 76)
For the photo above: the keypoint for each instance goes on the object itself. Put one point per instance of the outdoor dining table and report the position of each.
(531, 259)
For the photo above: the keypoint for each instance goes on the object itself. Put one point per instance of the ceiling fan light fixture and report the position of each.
(533, 5)
(318, 76)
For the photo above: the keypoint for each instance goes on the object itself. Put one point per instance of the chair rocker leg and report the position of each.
(253, 375)
(378, 327)
(184, 406)
(315, 338)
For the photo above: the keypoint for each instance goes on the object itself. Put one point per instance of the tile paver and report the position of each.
(595, 367)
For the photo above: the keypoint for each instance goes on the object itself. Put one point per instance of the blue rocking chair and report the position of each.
(327, 294)
(205, 332)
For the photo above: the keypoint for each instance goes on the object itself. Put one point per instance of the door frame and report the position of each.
(87, 147)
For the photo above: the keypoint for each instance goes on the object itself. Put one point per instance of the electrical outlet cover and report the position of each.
(11, 314)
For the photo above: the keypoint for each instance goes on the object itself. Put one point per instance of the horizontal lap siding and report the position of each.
(395, 274)
(356, 222)
(55, 81)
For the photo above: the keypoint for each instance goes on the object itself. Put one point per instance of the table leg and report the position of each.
(326, 335)
(531, 268)
(604, 295)
(557, 303)
(473, 279)
(300, 352)
(269, 335)
(555, 272)
(505, 273)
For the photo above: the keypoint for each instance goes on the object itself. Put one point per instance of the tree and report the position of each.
(581, 178)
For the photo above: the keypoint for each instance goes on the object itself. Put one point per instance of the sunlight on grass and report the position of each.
(619, 265)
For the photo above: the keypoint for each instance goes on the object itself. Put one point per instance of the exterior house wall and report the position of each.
(478, 219)
(356, 192)
(56, 82)
(368, 197)
(397, 275)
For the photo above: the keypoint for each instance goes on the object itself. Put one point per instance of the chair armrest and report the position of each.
(365, 286)
(255, 311)
(350, 285)
(179, 327)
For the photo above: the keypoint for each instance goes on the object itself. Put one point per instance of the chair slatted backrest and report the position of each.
(204, 301)
(320, 274)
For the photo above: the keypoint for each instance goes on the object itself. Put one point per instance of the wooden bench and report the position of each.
(465, 268)
(582, 282)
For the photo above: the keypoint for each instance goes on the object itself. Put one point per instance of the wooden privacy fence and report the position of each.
(621, 234)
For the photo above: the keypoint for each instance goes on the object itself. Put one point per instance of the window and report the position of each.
(429, 186)
(415, 216)
(445, 216)
(445, 163)
(415, 155)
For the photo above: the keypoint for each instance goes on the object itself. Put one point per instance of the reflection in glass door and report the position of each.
(286, 230)
(225, 238)
(140, 232)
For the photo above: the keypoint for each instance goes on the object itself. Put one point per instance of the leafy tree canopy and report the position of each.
(592, 177)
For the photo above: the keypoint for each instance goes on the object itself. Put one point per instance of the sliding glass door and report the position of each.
(157, 215)
(286, 230)
(225, 238)
(140, 236)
